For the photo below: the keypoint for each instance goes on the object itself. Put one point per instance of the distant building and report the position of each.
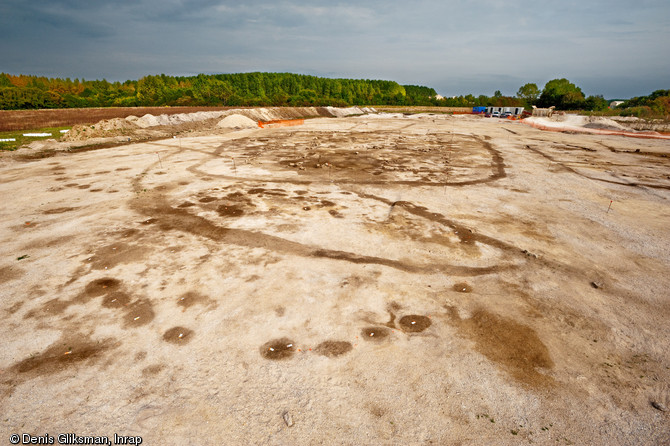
(513, 110)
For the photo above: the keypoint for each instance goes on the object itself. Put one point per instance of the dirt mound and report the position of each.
(133, 127)
(149, 120)
(102, 129)
(588, 124)
(237, 122)
(342, 112)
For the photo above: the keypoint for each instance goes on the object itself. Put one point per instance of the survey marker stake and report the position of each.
(159, 159)
(608, 209)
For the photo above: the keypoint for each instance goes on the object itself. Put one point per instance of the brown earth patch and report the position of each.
(333, 348)
(178, 335)
(138, 313)
(8, 273)
(375, 333)
(515, 347)
(191, 298)
(462, 287)
(69, 351)
(107, 257)
(278, 349)
(414, 323)
(58, 210)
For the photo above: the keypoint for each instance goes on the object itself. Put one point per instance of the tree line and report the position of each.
(242, 89)
(287, 89)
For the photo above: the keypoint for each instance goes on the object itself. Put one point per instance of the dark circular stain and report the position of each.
(207, 199)
(116, 299)
(138, 313)
(178, 335)
(102, 286)
(375, 333)
(229, 210)
(277, 349)
(333, 348)
(414, 323)
(306, 208)
(462, 287)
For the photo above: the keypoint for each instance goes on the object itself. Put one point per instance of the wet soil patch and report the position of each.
(230, 210)
(186, 204)
(149, 221)
(414, 323)
(138, 313)
(335, 213)
(191, 298)
(117, 299)
(51, 307)
(462, 287)
(109, 256)
(375, 333)
(63, 354)
(8, 273)
(101, 286)
(14, 308)
(178, 335)
(152, 370)
(278, 349)
(515, 347)
(333, 348)
(58, 210)
(207, 199)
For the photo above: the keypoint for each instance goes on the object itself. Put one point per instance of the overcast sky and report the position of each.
(617, 48)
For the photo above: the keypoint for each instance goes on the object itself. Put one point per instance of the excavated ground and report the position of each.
(365, 280)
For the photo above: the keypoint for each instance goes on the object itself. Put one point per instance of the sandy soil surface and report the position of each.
(365, 280)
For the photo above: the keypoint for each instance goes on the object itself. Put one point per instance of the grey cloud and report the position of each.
(458, 47)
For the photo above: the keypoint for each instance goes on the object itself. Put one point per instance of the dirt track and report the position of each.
(415, 280)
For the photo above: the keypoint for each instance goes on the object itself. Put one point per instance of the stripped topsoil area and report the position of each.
(377, 279)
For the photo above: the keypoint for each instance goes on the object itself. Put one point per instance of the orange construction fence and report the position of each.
(280, 123)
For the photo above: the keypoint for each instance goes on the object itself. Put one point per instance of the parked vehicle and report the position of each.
(487, 115)
(505, 115)
(495, 114)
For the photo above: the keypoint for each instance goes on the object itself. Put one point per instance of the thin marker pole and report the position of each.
(608, 209)
(159, 159)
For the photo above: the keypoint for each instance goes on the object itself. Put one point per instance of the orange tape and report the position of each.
(280, 123)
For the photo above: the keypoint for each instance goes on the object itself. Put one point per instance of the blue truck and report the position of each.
(478, 110)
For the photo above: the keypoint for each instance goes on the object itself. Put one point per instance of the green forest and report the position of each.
(286, 89)
(243, 89)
